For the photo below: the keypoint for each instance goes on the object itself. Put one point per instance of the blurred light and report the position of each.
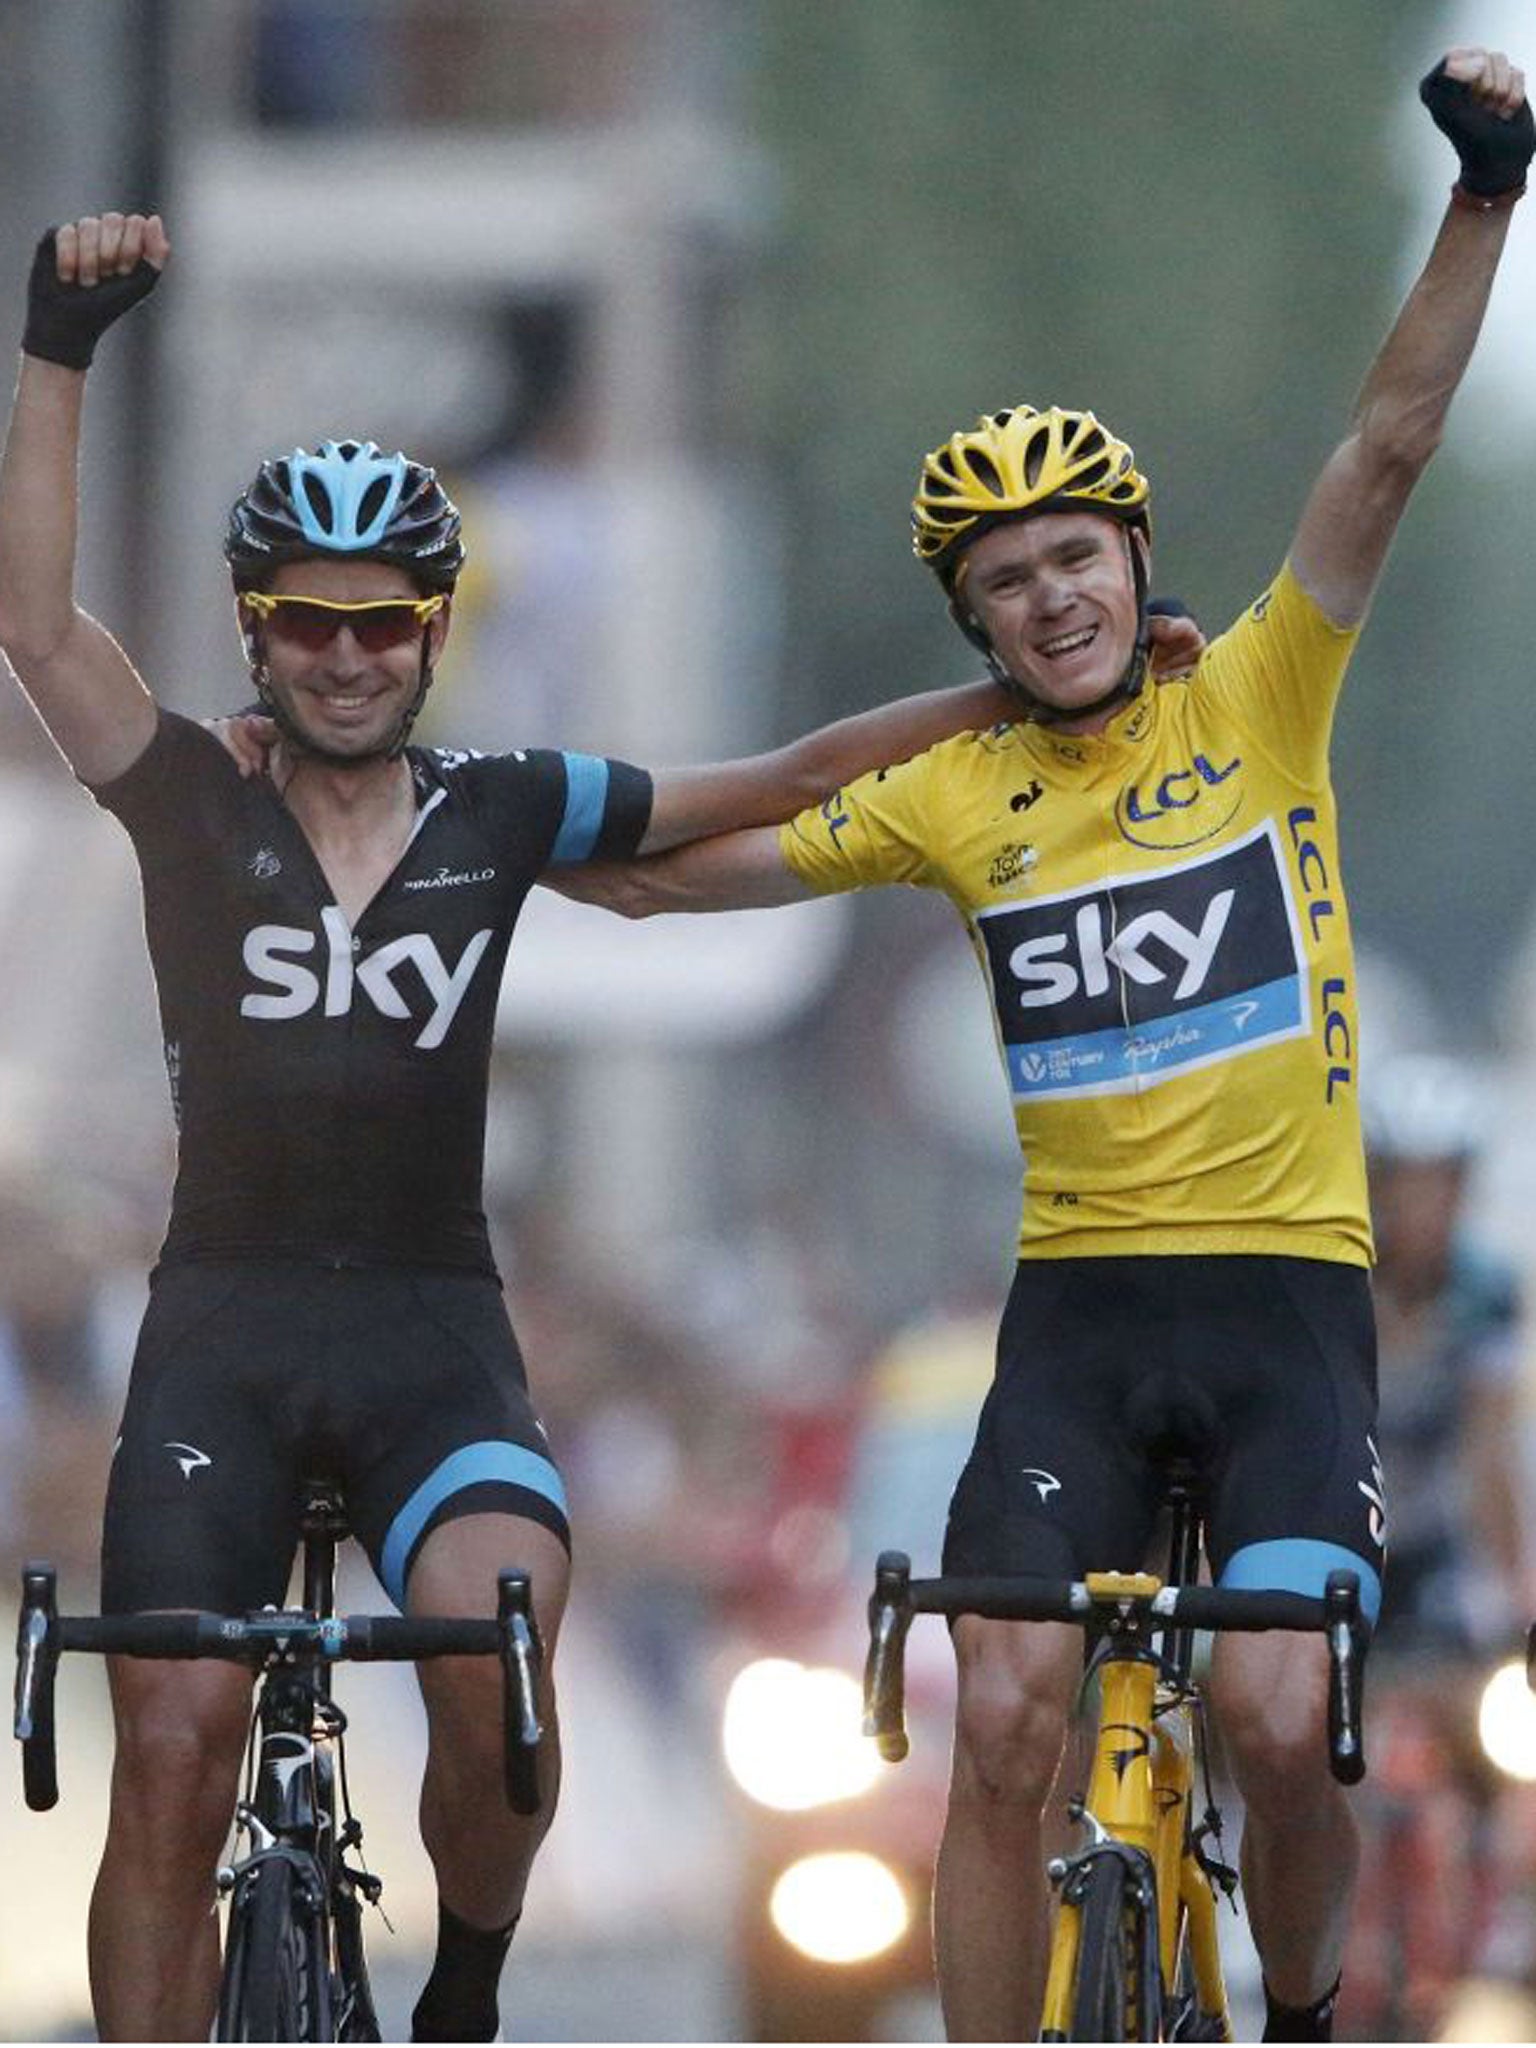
(841, 1907)
(1506, 1722)
(792, 1735)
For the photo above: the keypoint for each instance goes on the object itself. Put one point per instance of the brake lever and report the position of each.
(37, 1660)
(890, 1616)
(1347, 1638)
(521, 1658)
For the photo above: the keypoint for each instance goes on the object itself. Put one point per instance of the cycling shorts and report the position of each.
(1258, 1370)
(405, 1388)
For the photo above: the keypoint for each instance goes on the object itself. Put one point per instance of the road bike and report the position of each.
(1134, 1954)
(294, 1967)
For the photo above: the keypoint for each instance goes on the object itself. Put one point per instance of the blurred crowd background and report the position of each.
(675, 293)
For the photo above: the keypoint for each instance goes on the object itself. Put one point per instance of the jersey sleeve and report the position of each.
(602, 809)
(873, 831)
(164, 799)
(1278, 671)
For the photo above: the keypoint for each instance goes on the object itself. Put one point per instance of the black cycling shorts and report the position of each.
(404, 1388)
(1259, 1370)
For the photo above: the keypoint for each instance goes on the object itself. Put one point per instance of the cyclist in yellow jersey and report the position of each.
(1151, 881)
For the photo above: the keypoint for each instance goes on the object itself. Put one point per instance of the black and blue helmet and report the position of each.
(348, 498)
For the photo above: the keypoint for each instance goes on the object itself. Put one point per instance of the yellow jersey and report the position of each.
(1158, 913)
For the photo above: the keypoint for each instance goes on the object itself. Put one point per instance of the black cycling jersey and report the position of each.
(329, 1081)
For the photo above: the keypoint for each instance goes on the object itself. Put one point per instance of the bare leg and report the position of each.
(481, 1850)
(1301, 1847)
(154, 1948)
(990, 1901)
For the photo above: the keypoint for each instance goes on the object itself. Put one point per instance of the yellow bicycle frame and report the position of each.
(1139, 1793)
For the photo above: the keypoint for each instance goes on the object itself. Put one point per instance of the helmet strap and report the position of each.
(413, 709)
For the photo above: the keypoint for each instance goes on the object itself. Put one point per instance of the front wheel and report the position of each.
(1104, 1994)
(276, 1979)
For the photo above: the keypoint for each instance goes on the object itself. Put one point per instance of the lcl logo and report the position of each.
(1181, 809)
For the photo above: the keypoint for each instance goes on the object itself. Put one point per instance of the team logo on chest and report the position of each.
(1184, 807)
(1129, 981)
(275, 955)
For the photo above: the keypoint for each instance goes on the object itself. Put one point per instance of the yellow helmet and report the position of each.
(1021, 460)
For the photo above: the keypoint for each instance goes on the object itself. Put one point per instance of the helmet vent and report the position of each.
(1034, 459)
(986, 473)
(318, 499)
(372, 502)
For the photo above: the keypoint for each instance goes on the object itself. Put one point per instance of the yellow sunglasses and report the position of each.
(313, 622)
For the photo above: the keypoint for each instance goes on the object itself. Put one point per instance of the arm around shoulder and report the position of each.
(769, 789)
(734, 871)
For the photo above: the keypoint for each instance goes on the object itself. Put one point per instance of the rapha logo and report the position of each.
(264, 864)
(1045, 1483)
(189, 1458)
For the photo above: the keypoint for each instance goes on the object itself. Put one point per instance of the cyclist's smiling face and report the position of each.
(345, 697)
(1056, 597)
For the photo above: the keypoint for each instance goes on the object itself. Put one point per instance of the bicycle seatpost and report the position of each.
(323, 1526)
(1178, 1644)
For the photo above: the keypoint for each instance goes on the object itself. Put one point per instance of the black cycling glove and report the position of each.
(1494, 149)
(65, 321)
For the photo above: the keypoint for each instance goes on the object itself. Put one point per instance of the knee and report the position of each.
(1275, 1741)
(1009, 1730)
(177, 1765)
(466, 1723)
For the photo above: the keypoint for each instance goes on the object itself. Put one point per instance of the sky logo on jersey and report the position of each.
(1128, 982)
(269, 954)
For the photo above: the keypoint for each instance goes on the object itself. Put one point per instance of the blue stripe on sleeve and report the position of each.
(472, 1465)
(586, 798)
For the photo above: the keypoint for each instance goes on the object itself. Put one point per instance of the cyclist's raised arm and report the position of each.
(1477, 97)
(83, 686)
(769, 789)
(736, 871)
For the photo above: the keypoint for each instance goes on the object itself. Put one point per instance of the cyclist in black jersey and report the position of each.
(1150, 882)
(328, 942)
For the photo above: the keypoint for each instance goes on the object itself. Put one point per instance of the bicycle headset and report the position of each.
(1016, 464)
(348, 499)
